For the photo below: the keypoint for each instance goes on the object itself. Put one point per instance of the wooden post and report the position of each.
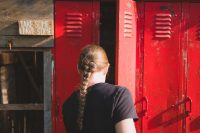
(7, 89)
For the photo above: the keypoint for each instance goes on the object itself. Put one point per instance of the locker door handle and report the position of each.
(185, 102)
(188, 99)
(145, 108)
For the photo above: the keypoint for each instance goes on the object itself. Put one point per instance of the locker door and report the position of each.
(76, 25)
(193, 81)
(126, 44)
(162, 60)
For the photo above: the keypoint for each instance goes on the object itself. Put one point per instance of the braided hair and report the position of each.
(92, 58)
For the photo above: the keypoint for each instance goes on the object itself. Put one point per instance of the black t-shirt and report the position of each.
(106, 105)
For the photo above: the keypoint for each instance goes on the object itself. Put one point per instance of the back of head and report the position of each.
(93, 58)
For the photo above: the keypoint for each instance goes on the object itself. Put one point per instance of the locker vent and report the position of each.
(128, 17)
(73, 24)
(163, 23)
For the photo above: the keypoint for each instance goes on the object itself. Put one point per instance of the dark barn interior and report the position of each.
(21, 81)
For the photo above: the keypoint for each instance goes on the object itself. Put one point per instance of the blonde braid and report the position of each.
(92, 59)
(88, 69)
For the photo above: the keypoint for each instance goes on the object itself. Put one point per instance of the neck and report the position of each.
(97, 77)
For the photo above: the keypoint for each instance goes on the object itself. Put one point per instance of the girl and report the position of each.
(98, 107)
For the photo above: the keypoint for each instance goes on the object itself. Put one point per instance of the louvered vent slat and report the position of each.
(163, 23)
(73, 24)
(128, 28)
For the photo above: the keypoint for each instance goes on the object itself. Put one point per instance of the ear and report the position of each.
(106, 69)
(77, 69)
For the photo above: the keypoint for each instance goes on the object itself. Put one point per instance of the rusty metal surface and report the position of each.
(171, 68)
(162, 63)
(193, 69)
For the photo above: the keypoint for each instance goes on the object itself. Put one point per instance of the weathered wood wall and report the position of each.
(34, 14)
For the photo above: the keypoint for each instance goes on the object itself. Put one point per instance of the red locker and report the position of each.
(193, 69)
(164, 78)
(126, 44)
(162, 59)
(168, 67)
(76, 24)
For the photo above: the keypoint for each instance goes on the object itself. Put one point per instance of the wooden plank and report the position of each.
(26, 41)
(48, 73)
(15, 107)
(35, 27)
(48, 66)
(8, 27)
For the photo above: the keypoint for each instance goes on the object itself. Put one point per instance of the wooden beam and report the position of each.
(26, 41)
(48, 74)
(15, 107)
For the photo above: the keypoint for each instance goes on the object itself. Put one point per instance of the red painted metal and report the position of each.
(126, 44)
(193, 78)
(166, 76)
(76, 25)
(171, 69)
(162, 59)
(139, 66)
